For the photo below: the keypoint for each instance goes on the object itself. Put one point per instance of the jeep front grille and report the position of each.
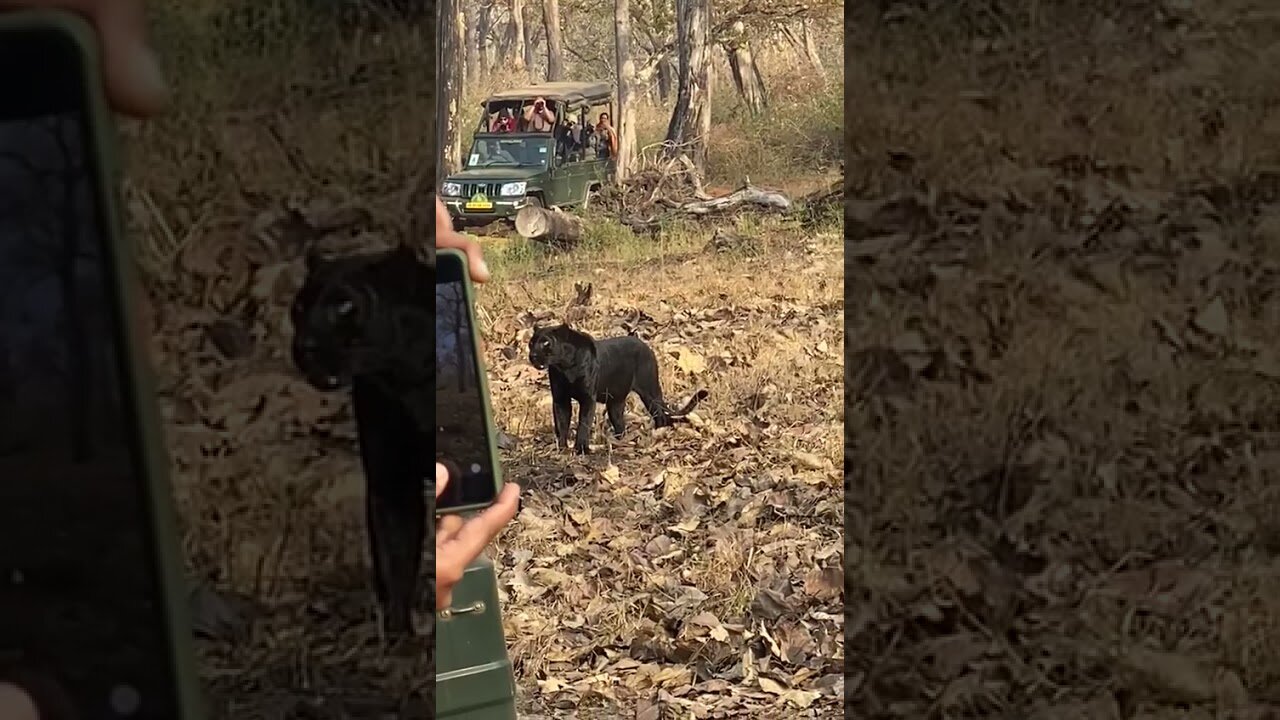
(490, 190)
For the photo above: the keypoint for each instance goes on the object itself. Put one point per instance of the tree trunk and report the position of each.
(691, 120)
(528, 26)
(513, 48)
(484, 37)
(665, 80)
(471, 44)
(625, 123)
(746, 74)
(449, 83)
(534, 223)
(555, 49)
(811, 48)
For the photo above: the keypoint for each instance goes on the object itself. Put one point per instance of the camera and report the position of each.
(539, 105)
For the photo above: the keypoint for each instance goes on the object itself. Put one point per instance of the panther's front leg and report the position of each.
(561, 411)
(586, 419)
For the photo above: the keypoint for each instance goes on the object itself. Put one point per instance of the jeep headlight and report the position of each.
(451, 189)
(513, 189)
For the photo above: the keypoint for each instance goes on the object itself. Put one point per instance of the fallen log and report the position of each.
(747, 194)
(535, 223)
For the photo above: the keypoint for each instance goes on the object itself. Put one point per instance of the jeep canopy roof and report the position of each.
(569, 93)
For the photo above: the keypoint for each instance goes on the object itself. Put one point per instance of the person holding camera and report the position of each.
(136, 86)
(608, 148)
(538, 117)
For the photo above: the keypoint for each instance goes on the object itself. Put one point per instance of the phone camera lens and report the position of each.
(125, 700)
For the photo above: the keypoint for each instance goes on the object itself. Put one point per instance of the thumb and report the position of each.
(442, 479)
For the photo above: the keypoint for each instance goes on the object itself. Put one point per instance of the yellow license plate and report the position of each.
(479, 202)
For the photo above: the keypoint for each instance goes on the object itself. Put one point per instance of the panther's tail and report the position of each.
(689, 406)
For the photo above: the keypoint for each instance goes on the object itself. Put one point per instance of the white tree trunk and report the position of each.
(624, 124)
(746, 74)
(555, 42)
(451, 38)
(513, 48)
(691, 120)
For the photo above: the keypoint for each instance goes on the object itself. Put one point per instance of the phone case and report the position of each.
(491, 439)
(123, 279)
(474, 678)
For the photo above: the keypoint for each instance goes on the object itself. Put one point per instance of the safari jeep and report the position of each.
(505, 171)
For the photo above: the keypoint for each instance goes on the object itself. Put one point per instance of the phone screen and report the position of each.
(462, 435)
(81, 605)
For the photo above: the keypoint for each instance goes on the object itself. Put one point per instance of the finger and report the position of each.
(134, 82)
(477, 532)
(447, 527)
(15, 704)
(442, 479)
(447, 237)
(444, 597)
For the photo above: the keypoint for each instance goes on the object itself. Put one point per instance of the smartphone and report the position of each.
(92, 610)
(466, 443)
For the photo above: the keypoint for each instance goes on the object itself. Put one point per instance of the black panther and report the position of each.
(607, 371)
(367, 322)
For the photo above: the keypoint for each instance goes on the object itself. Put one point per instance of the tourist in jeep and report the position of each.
(607, 137)
(504, 123)
(538, 117)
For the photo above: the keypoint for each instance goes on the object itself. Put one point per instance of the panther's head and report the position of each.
(542, 347)
(336, 325)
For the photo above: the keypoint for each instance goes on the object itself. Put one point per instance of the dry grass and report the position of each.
(1061, 443)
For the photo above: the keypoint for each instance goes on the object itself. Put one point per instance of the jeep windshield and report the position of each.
(525, 151)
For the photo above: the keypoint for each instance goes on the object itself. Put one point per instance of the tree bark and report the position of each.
(528, 26)
(471, 43)
(746, 74)
(449, 84)
(535, 223)
(512, 54)
(691, 120)
(555, 48)
(484, 36)
(624, 124)
(665, 80)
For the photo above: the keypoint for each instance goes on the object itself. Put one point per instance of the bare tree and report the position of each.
(810, 47)
(626, 78)
(528, 25)
(746, 74)
(449, 83)
(484, 36)
(471, 43)
(513, 50)
(555, 42)
(691, 120)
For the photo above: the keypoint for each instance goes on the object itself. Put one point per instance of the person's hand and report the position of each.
(134, 83)
(447, 237)
(459, 541)
(15, 704)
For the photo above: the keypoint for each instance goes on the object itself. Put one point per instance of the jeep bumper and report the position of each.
(502, 208)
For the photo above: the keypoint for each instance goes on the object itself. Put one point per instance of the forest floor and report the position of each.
(697, 568)
(1063, 373)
